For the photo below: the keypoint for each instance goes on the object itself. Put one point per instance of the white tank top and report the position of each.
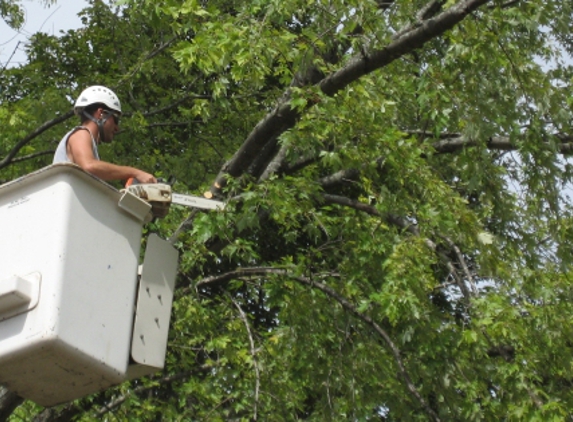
(61, 154)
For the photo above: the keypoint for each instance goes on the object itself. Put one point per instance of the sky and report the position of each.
(61, 16)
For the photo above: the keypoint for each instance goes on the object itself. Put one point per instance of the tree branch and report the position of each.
(185, 225)
(502, 143)
(47, 125)
(275, 164)
(463, 264)
(406, 226)
(65, 414)
(239, 273)
(366, 62)
(30, 156)
(283, 117)
(167, 379)
(506, 5)
(151, 54)
(346, 305)
(253, 354)
(10, 158)
(338, 178)
(396, 353)
(175, 104)
(347, 202)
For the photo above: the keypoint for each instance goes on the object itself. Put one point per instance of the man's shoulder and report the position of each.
(80, 130)
(80, 133)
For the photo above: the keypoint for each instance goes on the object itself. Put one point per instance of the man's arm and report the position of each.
(80, 151)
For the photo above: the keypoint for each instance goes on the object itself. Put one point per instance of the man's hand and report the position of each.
(143, 177)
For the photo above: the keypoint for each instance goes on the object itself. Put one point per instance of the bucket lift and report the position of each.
(75, 316)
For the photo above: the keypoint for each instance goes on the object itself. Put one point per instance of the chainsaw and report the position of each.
(161, 197)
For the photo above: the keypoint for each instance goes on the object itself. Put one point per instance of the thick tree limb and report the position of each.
(347, 202)
(300, 164)
(259, 165)
(502, 143)
(275, 164)
(430, 10)
(448, 143)
(309, 76)
(338, 178)
(368, 62)
(283, 117)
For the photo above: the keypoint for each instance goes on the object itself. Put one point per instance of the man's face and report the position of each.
(111, 125)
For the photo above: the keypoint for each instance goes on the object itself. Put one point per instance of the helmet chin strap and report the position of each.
(99, 123)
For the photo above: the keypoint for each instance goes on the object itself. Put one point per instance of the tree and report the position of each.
(11, 12)
(396, 240)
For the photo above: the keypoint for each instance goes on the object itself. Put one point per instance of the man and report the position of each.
(99, 110)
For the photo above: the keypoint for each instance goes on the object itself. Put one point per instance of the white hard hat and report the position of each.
(97, 94)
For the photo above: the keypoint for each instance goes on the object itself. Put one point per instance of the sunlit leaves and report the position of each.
(12, 13)
(458, 251)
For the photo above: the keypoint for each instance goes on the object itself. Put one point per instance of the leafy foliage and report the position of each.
(396, 241)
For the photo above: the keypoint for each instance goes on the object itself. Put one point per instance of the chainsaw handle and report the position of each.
(131, 181)
(134, 181)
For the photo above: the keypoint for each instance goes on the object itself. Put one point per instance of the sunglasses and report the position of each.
(115, 116)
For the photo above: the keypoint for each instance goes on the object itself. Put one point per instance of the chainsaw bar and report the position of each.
(160, 194)
(196, 202)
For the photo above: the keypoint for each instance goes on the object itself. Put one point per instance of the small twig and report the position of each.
(176, 103)
(253, 354)
(206, 418)
(168, 124)
(505, 5)
(149, 56)
(11, 56)
(462, 262)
